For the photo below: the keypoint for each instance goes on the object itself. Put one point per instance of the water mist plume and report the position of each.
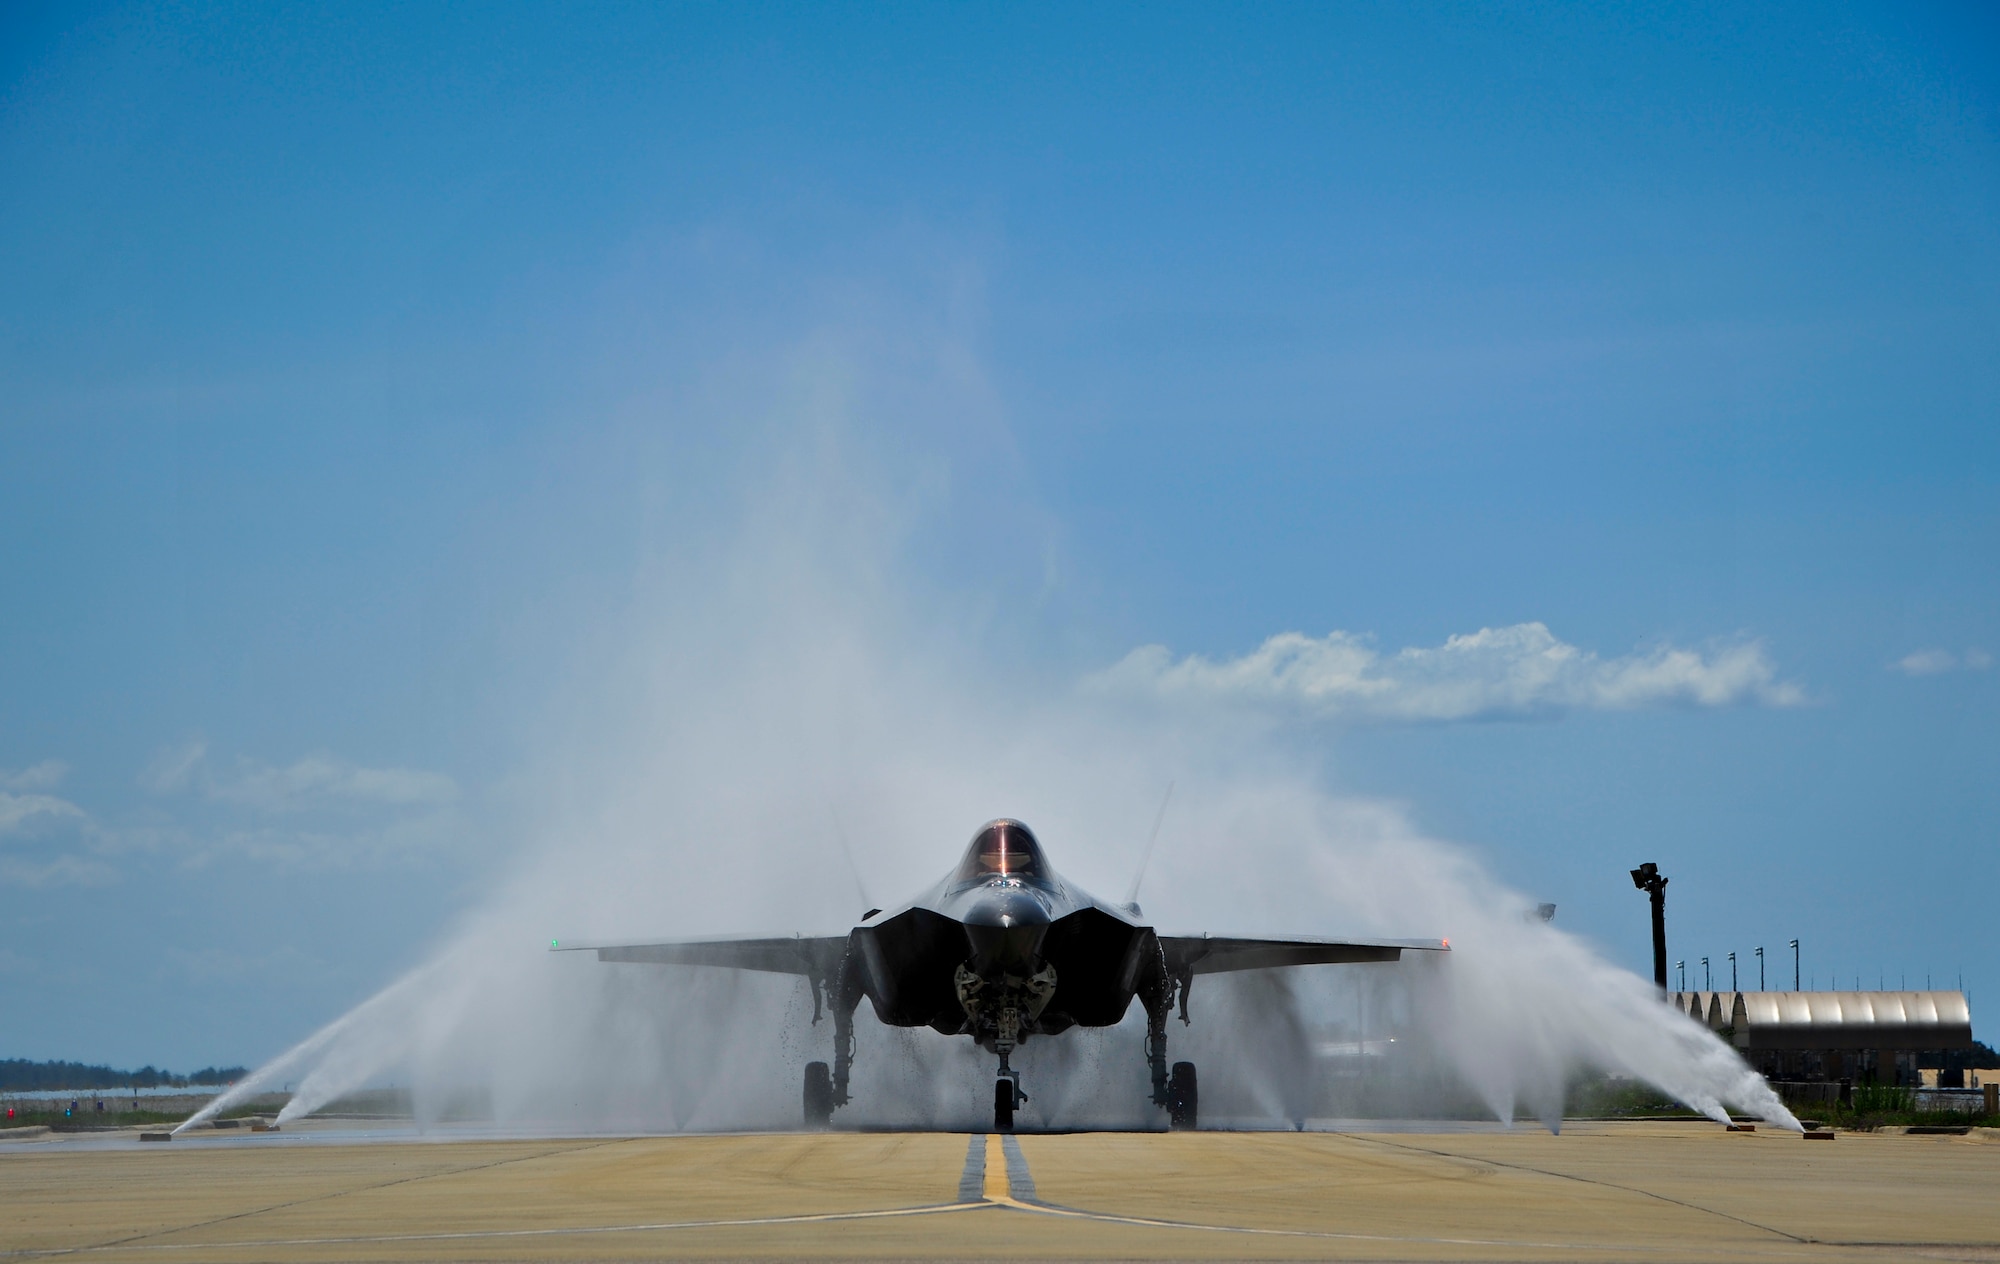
(791, 680)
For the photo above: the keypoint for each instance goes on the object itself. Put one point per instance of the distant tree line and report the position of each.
(18, 1075)
(1980, 1055)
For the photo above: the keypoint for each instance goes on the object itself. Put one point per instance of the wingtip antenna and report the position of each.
(1159, 818)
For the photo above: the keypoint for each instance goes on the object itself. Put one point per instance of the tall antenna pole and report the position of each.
(1647, 878)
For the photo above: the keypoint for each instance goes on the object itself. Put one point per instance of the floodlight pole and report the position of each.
(1707, 979)
(1795, 965)
(1760, 969)
(1647, 878)
(1682, 966)
(1732, 972)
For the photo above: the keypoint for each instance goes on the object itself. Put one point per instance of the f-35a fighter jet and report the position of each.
(1000, 950)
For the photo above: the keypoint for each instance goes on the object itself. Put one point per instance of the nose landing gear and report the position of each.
(999, 1013)
(1007, 1095)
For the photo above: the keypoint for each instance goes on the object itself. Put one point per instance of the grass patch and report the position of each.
(1872, 1106)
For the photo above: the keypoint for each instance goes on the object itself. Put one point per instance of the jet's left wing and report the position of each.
(814, 957)
(1214, 954)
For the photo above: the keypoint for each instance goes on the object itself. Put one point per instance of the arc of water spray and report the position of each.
(1132, 894)
(853, 870)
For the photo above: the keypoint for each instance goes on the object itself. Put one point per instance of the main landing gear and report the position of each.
(819, 1095)
(1182, 1099)
(1176, 1090)
(826, 1087)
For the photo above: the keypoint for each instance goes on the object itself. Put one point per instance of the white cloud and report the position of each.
(17, 809)
(43, 776)
(1514, 671)
(174, 767)
(408, 838)
(315, 782)
(320, 812)
(321, 780)
(283, 963)
(57, 872)
(1932, 662)
(43, 822)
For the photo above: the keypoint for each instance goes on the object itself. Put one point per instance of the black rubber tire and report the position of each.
(819, 1095)
(1183, 1097)
(1003, 1105)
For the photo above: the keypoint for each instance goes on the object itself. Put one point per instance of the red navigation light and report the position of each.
(1445, 942)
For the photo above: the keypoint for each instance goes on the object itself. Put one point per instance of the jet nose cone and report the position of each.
(1007, 906)
(1005, 927)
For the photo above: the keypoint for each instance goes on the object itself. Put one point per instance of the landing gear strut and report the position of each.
(999, 1012)
(826, 1088)
(1007, 1094)
(1175, 1091)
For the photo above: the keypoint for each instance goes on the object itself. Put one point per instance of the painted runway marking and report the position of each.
(995, 1171)
(994, 1189)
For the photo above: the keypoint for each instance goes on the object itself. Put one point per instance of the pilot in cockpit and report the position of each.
(1004, 849)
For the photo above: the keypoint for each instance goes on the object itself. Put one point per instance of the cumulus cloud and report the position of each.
(353, 846)
(1932, 662)
(16, 810)
(318, 813)
(56, 871)
(174, 767)
(32, 822)
(321, 780)
(317, 782)
(43, 776)
(1510, 672)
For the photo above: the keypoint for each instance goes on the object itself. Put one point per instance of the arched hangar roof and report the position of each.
(1834, 1020)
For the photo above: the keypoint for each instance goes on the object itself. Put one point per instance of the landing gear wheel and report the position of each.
(819, 1095)
(1182, 1096)
(1003, 1105)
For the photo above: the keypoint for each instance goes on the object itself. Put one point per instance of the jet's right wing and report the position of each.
(1214, 954)
(815, 957)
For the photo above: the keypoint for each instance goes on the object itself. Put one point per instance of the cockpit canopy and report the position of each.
(1002, 849)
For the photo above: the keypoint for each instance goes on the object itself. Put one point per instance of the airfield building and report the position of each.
(1860, 1037)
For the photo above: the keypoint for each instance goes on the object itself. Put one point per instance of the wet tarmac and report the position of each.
(382, 1190)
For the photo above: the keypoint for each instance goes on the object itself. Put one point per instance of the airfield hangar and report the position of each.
(1862, 1037)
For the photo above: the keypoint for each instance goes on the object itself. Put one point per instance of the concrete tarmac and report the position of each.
(1606, 1191)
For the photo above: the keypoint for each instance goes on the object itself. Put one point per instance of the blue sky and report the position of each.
(332, 346)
